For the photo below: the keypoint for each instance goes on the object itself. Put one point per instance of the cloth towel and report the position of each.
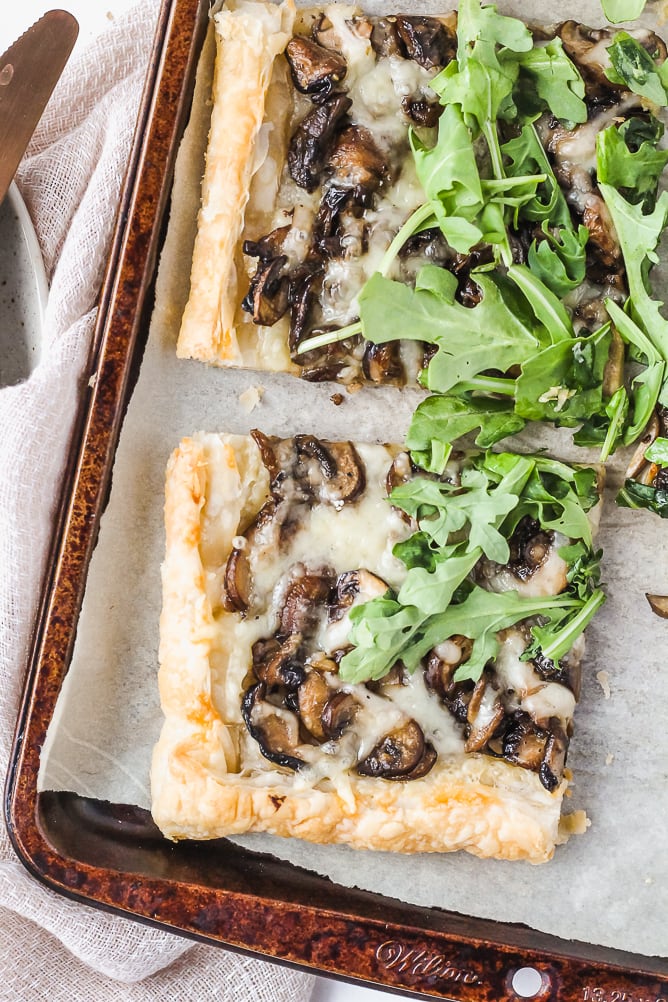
(52, 948)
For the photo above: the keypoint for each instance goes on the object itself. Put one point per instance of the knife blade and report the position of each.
(29, 70)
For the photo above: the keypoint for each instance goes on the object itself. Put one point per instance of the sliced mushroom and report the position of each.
(341, 469)
(484, 715)
(529, 548)
(400, 472)
(268, 297)
(566, 672)
(356, 163)
(638, 461)
(237, 582)
(426, 40)
(397, 675)
(425, 765)
(385, 38)
(267, 247)
(315, 70)
(338, 713)
(524, 743)
(313, 696)
(442, 663)
(588, 50)
(422, 112)
(312, 142)
(277, 663)
(303, 603)
(267, 445)
(397, 754)
(551, 769)
(275, 729)
(658, 604)
(382, 363)
(353, 587)
(304, 284)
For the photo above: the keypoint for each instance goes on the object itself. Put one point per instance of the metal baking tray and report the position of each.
(111, 855)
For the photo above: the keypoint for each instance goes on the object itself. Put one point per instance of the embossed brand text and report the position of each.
(418, 963)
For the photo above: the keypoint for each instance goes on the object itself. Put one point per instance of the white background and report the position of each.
(94, 16)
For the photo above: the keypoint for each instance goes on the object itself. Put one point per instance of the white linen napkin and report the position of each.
(50, 947)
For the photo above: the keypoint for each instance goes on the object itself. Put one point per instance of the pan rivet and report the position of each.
(527, 982)
(6, 74)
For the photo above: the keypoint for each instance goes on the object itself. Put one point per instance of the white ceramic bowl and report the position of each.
(24, 291)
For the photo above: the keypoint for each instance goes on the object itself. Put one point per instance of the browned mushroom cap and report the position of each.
(422, 112)
(442, 663)
(267, 445)
(313, 695)
(338, 713)
(524, 743)
(356, 162)
(314, 69)
(353, 586)
(397, 754)
(342, 470)
(269, 246)
(302, 603)
(484, 715)
(425, 765)
(276, 731)
(312, 142)
(400, 472)
(305, 282)
(382, 363)
(277, 663)
(268, 297)
(426, 40)
(385, 38)
(551, 768)
(529, 548)
(237, 582)
(581, 44)
(567, 671)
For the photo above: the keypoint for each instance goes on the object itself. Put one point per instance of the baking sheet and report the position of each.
(108, 717)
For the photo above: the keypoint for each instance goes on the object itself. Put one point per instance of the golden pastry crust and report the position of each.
(200, 788)
(248, 40)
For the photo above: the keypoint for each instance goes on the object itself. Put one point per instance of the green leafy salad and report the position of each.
(543, 177)
(470, 526)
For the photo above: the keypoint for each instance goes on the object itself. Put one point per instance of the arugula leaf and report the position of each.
(622, 10)
(556, 638)
(381, 630)
(545, 305)
(548, 72)
(494, 334)
(635, 495)
(559, 261)
(634, 172)
(448, 173)
(442, 509)
(432, 590)
(639, 234)
(633, 66)
(564, 383)
(446, 418)
(525, 155)
(658, 451)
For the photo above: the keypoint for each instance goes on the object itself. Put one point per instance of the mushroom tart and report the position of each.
(357, 649)
(366, 218)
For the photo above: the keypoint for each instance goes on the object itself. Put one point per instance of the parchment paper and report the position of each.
(607, 886)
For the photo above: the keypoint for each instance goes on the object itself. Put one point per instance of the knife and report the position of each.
(29, 70)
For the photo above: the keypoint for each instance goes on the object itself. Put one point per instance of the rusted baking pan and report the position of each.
(111, 855)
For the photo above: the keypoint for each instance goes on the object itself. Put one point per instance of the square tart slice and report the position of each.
(272, 547)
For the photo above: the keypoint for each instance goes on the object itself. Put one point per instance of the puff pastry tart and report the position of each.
(343, 157)
(356, 650)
